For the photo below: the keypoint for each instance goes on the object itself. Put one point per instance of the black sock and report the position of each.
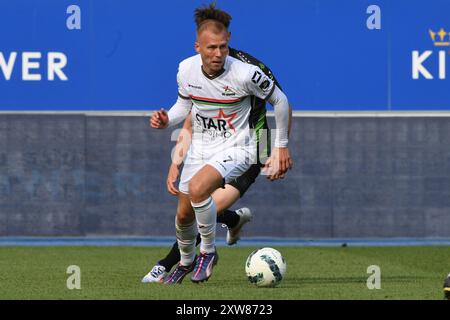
(173, 257)
(230, 218)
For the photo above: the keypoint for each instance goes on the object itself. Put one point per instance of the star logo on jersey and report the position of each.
(227, 118)
(228, 92)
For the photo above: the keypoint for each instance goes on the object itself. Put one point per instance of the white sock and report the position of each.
(186, 238)
(206, 215)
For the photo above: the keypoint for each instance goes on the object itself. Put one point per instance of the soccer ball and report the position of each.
(265, 267)
(447, 287)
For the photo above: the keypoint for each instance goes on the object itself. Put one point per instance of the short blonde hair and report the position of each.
(207, 16)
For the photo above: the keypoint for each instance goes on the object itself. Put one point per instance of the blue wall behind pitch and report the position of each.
(126, 54)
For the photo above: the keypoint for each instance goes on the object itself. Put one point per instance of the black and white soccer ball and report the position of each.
(265, 267)
(447, 288)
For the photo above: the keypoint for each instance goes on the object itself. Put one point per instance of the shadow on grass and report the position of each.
(343, 280)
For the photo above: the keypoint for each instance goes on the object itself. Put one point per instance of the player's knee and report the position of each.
(197, 192)
(184, 218)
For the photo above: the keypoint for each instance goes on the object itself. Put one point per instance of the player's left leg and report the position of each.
(186, 233)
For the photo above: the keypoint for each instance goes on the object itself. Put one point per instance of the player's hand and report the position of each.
(278, 164)
(172, 177)
(159, 119)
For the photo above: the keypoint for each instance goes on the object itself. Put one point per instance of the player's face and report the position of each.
(213, 48)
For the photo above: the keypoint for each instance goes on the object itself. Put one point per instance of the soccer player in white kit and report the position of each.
(217, 89)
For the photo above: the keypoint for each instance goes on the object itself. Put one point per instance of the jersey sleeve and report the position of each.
(248, 58)
(259, 84)
(182, 92)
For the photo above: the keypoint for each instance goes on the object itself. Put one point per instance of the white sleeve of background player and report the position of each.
(280, 104)
(258, 84)
(179, 111)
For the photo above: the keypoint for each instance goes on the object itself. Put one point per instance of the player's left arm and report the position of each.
(248, 58)
(280, 160)
(263, 87)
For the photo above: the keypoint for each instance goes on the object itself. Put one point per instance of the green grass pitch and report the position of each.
(312, 273)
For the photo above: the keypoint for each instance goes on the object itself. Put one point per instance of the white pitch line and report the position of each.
(296, 114)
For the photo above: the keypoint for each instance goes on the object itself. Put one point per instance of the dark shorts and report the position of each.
(243, 182)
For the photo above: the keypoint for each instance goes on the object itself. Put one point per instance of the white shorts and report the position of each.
(230, 163)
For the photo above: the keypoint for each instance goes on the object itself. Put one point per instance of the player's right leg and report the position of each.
(224, 198)
(220, 169)
(234, 220)
(201, 187)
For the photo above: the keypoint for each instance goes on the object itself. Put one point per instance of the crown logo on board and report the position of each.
(440, 38)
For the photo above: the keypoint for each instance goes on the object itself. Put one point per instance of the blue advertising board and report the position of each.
(380, 55)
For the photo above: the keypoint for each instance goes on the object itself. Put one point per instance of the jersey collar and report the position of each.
(214, 76)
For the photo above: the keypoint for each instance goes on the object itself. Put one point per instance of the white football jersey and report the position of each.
(221, 105)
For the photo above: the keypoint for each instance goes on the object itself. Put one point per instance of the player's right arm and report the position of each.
(178, 156)
(162, 119)
(179, 111)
